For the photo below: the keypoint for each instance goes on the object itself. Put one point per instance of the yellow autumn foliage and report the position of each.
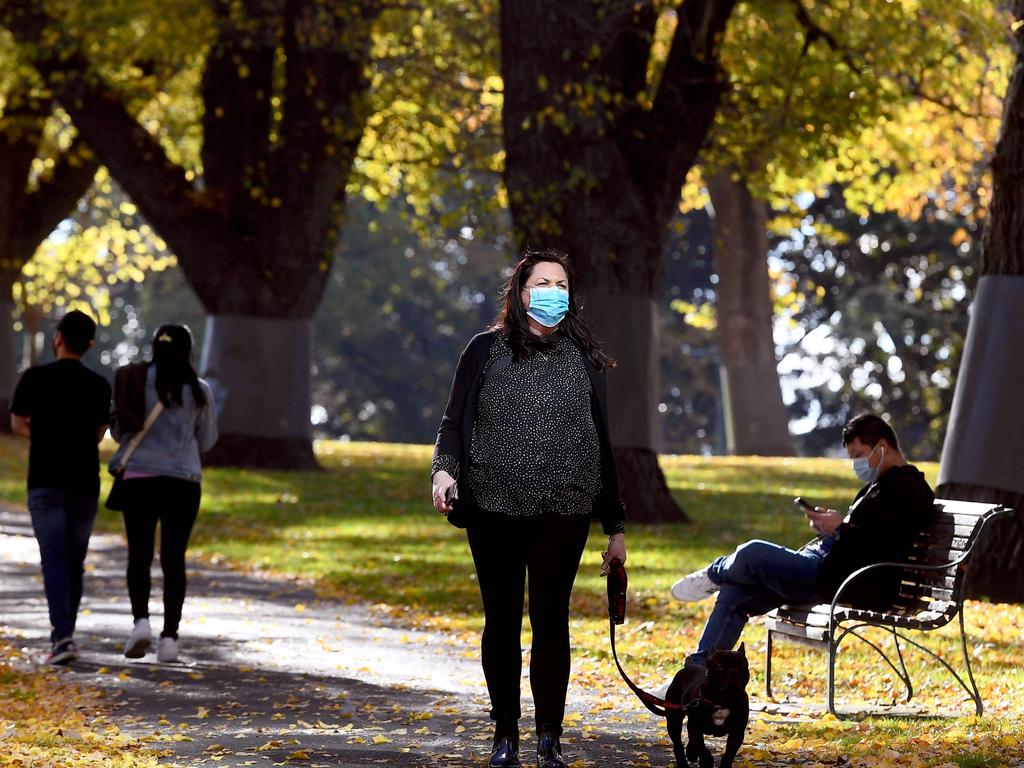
(49, 723)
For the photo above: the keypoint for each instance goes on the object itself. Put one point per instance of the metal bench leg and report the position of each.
(768, 667)
(973, 691)
(905, 677)
(833, 648)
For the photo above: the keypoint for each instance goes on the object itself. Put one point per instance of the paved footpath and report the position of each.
(270, 674)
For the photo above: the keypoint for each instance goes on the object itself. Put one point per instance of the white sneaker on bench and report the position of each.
(694, 586)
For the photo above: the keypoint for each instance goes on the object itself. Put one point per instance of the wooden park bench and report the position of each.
(931, 595)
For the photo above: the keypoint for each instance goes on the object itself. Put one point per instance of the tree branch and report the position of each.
(326, 49)
(913, 87)
(237, 88)
(816, 32)
(53, 199)
(134, 157)
(667, 141)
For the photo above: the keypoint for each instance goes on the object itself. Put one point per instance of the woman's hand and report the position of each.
(442, 481)
(824, 521)
(616, 551)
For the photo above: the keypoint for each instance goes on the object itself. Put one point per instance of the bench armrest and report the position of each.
(905, 566)
(996, 511)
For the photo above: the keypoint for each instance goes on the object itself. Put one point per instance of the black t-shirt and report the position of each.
(66, 403)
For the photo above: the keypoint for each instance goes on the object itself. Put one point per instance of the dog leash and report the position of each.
(617, 615)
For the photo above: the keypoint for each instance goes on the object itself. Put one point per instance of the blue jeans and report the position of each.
(758, 577)
(62, 522)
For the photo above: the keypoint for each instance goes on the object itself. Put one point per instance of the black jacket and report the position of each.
(884, 520)
(455, 434)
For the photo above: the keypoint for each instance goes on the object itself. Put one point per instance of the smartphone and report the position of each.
(803, 504)
(449, 495)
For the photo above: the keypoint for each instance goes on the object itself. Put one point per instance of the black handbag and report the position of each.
(458, 516)
(116, 497)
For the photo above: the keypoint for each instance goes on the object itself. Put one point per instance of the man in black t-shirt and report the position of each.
(63, 408)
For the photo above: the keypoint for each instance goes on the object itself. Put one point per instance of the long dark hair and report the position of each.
(172, 356)
(512, 319)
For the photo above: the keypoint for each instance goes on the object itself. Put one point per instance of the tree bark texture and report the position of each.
(256, 239)
(757, 421)
(595, 159)
(999, 570)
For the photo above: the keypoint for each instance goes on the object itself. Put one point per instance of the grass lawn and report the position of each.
(363, 530)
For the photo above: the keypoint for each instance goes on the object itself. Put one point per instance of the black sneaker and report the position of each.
(63, 652)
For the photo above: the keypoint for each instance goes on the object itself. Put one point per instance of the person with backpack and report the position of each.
(63, 408)
(164, 419)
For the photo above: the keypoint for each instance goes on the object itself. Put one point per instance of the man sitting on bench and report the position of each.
(880, 526)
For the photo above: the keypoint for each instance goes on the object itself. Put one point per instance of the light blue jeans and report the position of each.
(758, 577)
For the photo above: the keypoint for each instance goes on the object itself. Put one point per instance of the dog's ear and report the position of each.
(742, 649)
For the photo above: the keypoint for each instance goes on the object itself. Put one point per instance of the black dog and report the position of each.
(714, 700)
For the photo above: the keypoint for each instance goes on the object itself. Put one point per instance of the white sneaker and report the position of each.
(694, 586)
(167, 649)
(139, 640)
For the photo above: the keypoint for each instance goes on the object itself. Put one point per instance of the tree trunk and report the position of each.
(594, 167)
(628, 329)
(8, 360)
(255, 238)
(981, 458)
(258, 369)
(757, 423)
(32, 317)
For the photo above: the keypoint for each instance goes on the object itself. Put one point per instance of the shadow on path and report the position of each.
(271, 674)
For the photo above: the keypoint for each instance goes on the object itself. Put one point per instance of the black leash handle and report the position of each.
(617, 582)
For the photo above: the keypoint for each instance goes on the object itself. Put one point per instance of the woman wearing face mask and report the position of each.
(880, 526)
(161, 475)
(525, 434)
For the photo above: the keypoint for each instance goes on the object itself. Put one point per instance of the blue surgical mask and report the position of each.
(862, 466)
(548, 306)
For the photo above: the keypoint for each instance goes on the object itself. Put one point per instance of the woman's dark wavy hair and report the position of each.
(512, 318)
(172, 356)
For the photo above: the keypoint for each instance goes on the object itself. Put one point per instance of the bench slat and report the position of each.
(924, 591)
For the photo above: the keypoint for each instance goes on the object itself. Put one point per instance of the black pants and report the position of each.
(505, 549)
(174, 504)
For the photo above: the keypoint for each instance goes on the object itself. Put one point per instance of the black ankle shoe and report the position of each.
(549, 750)
(505, 747)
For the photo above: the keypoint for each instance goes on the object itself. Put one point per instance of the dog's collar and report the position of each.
(702, 699)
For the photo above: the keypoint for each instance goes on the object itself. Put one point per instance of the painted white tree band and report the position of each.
(259, 370)
(985, 438)
(627, 326)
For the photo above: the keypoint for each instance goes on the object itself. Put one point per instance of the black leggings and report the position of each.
(175, 504)
(505, 549)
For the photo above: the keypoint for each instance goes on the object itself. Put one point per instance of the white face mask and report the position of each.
(862, 465)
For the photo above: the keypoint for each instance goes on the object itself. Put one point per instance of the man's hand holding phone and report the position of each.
(823, 521)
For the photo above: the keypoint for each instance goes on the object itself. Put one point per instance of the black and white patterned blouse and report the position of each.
(535, 448)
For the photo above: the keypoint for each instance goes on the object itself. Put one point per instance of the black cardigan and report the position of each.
(455, 434)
